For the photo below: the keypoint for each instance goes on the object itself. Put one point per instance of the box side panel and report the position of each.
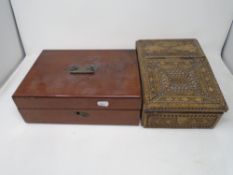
(179, 120)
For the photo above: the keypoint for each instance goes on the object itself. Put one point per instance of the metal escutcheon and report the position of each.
(82, 114)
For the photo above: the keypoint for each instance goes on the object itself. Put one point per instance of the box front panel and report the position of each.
(77, 116)
(179, 120)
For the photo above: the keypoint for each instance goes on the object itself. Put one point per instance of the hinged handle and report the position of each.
(90, 69)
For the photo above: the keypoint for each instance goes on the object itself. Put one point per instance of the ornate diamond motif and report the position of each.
(177, 83)
(179, 87)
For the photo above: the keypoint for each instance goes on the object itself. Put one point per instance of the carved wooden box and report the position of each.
(83, 87)
(179, 88)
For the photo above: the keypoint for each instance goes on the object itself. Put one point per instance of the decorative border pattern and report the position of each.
(180, 120)
(170, 48)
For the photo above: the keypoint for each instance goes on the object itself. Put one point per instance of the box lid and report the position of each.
(177, 77)
(169, 48)
(84, 74)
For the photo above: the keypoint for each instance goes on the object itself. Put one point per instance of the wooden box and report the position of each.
(81, 86)
(179, 88)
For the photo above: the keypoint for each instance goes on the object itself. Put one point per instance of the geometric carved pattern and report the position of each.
(179, 83)
(171, 48)
(180, 120)
(179, 87)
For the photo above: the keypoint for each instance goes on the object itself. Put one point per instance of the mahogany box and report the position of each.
(179, 87)
(83, 87)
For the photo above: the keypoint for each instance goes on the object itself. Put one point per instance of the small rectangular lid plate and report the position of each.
(178, 83)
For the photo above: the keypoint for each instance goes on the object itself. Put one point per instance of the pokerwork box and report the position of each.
(179, 87)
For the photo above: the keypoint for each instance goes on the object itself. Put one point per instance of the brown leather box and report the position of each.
(81, 86)
(179, 88)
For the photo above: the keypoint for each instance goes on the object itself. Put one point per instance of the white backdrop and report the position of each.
(118, 23)
(11, 52)
(116, 150)
(228, 51)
